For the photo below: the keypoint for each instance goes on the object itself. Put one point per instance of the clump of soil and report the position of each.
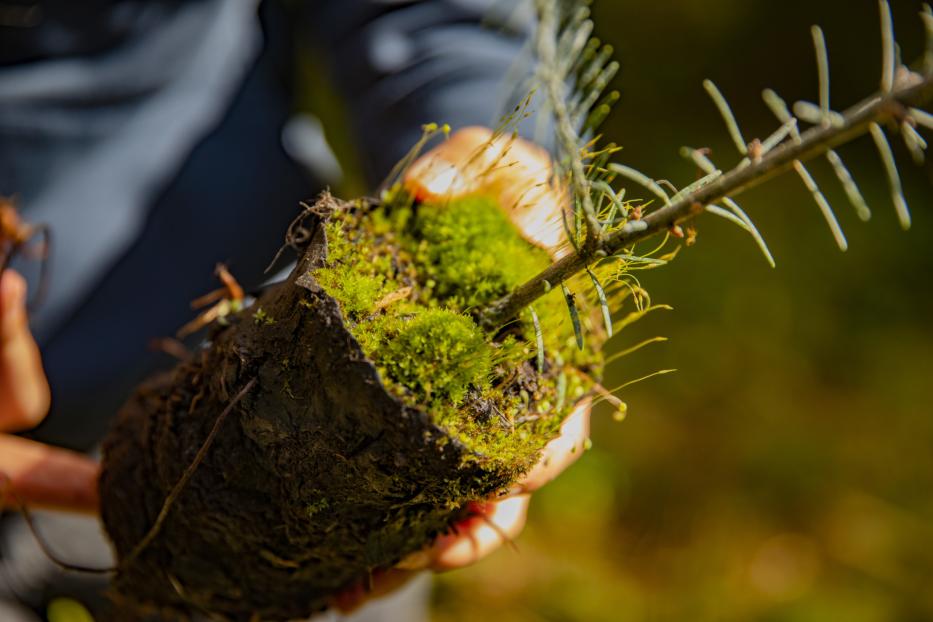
(368, 409)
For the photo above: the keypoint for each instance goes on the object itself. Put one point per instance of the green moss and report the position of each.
(318, 506)
(471, 253)
(439, 354)
(486, 390)
(262, 318)
(354, 275)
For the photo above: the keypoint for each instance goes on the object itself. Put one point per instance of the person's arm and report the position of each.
(31, 473)
(398, 65)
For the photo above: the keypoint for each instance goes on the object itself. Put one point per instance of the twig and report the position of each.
(779, 108)
(814, 142)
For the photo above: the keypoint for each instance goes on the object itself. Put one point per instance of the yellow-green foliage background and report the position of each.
(785, 473)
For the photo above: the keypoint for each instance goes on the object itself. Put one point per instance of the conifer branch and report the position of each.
(554, 81)
(897, 104)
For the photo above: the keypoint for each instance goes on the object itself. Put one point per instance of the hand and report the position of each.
(518, 175)
(31, 473)
(514, 171)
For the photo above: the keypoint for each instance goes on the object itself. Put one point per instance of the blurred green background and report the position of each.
(786, 471)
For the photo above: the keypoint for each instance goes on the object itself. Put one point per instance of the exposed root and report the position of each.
(185, 478)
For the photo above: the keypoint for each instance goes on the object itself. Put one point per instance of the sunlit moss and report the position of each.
(471, 253)
(435, 354)
(438, 354)
(350, 275)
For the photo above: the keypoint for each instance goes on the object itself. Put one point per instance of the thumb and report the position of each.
(518, 174)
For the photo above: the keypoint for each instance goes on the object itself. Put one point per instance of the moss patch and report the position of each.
(407, 277)
(471, 253)
(438, 355)
(358, 277)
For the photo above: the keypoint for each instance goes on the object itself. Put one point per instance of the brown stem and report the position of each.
(814, 142)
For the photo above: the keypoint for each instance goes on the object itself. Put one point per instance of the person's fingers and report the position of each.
(41, 476)
(452, 169)
(24, 390)
(514, 171)
(495, 523)
(561, 452)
